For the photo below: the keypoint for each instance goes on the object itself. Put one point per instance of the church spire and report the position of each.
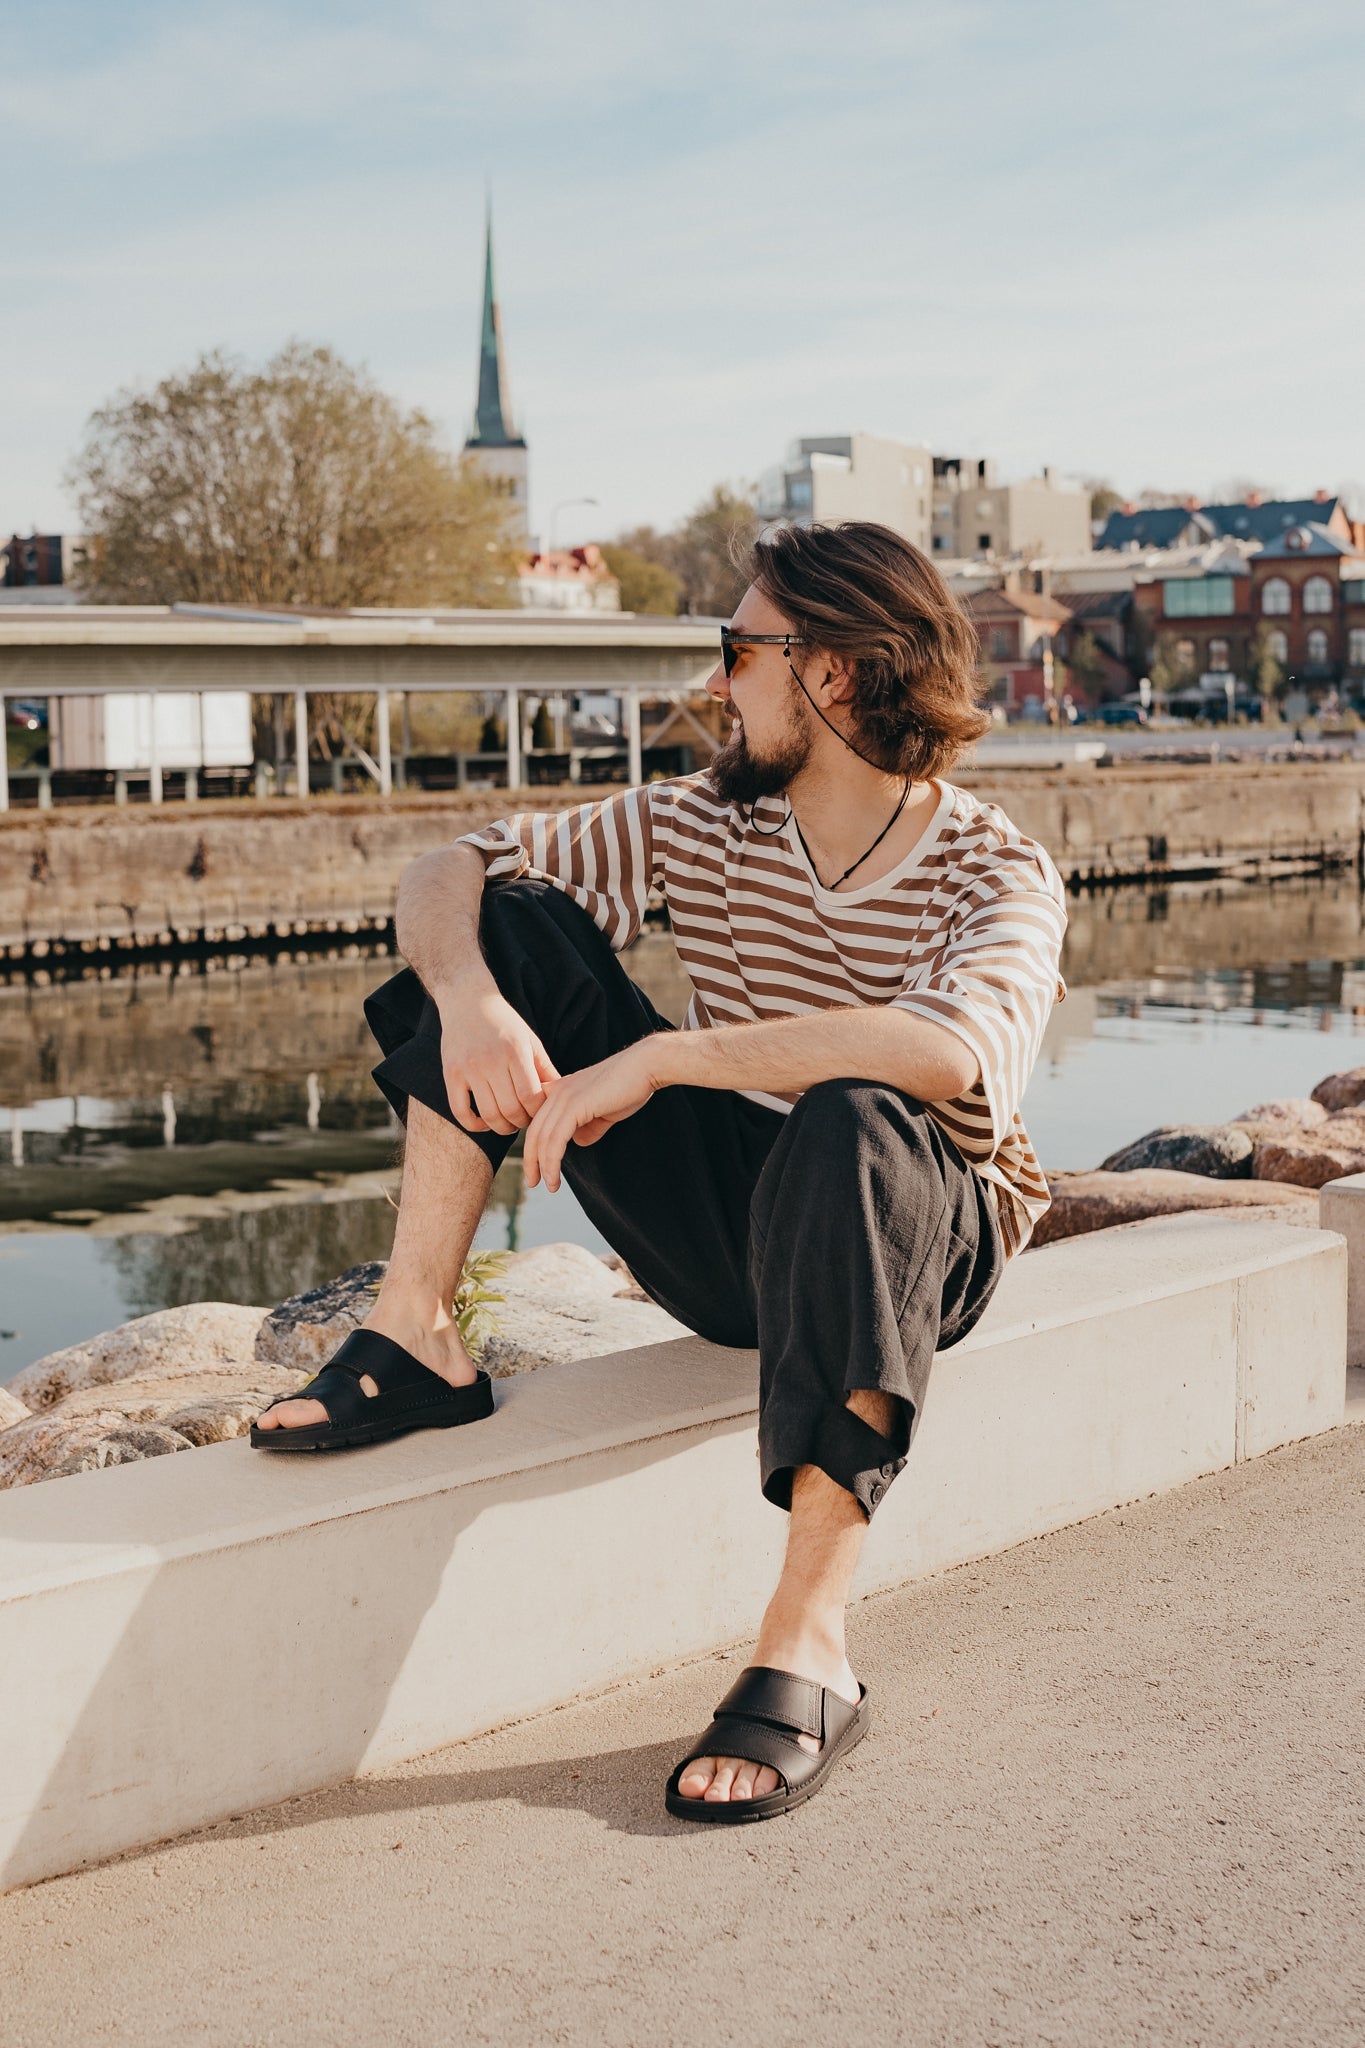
(493, 426)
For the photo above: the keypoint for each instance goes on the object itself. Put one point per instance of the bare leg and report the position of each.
(446, 1179)
(803, 1628)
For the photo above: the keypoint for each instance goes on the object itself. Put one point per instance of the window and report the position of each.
(1278, 644)
(1184, 653)
(1356, 647)
(1001, 649)
(1317, 595)
(1353, 593)
(1218, 656)
(1317, 645)
(1276, 598)
(1198, 597)
(983, 543)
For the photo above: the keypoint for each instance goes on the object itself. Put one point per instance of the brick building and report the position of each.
(1014, 628)
(1309, 596)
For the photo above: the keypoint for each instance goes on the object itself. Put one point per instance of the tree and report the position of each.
(543, 725)
(646, 584)
(298, 483)
(1086, 663)
(1267, 671)
(701, 551)
(1104, 499)
(1170, 669)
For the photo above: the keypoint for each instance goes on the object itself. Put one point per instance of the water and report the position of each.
(191, 1135)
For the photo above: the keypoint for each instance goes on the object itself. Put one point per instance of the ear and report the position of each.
(838, 678)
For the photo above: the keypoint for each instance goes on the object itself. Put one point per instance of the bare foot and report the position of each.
(440, 1349)
(733, 1777)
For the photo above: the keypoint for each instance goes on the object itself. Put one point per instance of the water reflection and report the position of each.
(211, 1133)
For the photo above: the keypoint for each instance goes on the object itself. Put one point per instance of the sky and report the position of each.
(1124, 239)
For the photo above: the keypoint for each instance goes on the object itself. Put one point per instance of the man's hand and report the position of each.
(580, 1108)
(496, 1069)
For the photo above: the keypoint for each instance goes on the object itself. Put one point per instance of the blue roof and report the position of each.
(1311, 538)
(1267, 522)
(1164, 526)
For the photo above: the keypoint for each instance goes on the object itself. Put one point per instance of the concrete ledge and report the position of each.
(192, 1636)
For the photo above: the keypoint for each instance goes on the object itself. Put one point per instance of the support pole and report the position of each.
(635, 773)
(301, 741)
(4, 756)
(513, 740)
(381, 715)
(153, 753)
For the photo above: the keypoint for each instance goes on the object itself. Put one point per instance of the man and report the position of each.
(826, 1162)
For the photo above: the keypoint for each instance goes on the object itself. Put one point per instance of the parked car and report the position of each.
(1122, 714)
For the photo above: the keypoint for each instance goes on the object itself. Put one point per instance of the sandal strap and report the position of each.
(778, 1697)
(337, 1384)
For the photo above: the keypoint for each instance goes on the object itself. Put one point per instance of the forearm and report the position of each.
(874, 1044)
(437, 919)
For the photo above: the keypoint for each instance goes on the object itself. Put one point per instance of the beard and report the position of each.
(741, 776)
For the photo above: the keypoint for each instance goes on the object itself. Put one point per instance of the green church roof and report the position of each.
(493, 426)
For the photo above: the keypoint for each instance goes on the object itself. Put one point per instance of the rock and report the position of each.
(1298, 1111)
(1311, 1158)
(1217, 1151)
(173, 1341)
(1341, 1091)
(11, 1410)
(1083, 1202)
(207, 1406)
(563, 1303)
(303, 1332)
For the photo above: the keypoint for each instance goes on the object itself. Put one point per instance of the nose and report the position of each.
(717, 684)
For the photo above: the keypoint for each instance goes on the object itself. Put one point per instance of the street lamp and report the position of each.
(563, 506)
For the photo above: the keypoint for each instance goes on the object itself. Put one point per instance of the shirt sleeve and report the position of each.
(994, 982)
(606, 857)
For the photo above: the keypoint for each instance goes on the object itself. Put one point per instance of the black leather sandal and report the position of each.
(759, 1720)
(411, 1396)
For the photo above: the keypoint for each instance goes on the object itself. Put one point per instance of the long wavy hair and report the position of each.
(859, 591)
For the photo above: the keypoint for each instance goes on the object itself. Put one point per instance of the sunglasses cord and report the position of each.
(791, 814)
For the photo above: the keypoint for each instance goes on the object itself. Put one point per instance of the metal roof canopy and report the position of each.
(91, 650)
(83, 650)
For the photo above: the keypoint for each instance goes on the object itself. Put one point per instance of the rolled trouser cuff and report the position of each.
(846, 1449)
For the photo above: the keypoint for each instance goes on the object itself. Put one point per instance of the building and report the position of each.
(974, 515)
(39, 568)
(1254, 518)
(1308, 595)
(1015, 628)
(852, 476)
(569, 580)
(1202, 620)
(494, 445)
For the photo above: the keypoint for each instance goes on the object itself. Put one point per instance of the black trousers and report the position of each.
(848, 1240)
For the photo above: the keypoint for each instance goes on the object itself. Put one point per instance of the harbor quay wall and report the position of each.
(108, 879)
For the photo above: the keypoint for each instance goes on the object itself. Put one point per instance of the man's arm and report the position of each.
(875, 1044)
(496, 1069)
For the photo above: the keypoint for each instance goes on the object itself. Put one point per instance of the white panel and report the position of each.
(227, 728)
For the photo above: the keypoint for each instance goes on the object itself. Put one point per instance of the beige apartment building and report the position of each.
(852, 476)
(973, 515)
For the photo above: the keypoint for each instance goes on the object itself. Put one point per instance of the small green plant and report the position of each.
(474, 1296)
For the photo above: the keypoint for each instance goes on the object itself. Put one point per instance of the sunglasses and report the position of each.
(733, 644)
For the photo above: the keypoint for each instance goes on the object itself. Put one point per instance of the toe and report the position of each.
(292, 1415)
(745, 1777)
(726, 1766)
(696, 1779)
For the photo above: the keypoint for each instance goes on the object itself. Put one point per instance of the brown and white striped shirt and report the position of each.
(966, 930)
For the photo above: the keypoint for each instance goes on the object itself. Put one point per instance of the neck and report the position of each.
(841, 803)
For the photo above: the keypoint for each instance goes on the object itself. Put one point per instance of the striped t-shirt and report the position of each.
(966, 930)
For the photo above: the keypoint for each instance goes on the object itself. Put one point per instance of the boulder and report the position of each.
(173, 1341)
(1097, 1201)
(10, 1409)
(303, 1332)
(1217, 1151)
(207, 1406)
(1311, 1158)
(1298, 1111)
(561, 1302)
(1341, 1091)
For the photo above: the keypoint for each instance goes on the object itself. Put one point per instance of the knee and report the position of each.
(833, 1110)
